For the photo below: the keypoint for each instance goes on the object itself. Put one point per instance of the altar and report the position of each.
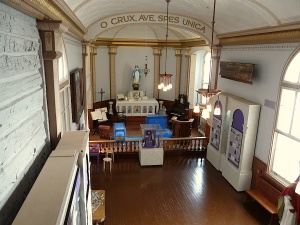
(134, 107)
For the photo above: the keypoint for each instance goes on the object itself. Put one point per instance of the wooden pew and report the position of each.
(263, 191)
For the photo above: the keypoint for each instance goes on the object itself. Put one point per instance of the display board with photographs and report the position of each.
(216, 132)
(235, 145)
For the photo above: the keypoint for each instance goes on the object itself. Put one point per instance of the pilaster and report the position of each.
(50, 34)
(84, 55)
(112, 51)
(178, 54)
(93, 53)
(157, 54)
(187, 71)
(216, 53)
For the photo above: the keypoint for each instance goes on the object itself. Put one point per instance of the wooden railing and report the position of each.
(196, 145)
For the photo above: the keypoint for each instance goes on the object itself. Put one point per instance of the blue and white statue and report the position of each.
(136, 74)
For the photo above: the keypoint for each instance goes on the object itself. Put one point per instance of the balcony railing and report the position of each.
(196, 145)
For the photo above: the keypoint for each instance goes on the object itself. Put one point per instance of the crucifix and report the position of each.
(101, 93)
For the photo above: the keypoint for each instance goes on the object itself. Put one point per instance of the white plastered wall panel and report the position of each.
(24, 132)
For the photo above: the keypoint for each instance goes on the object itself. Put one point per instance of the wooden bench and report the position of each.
(264, 202)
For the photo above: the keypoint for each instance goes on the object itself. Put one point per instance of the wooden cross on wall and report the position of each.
(101, 93)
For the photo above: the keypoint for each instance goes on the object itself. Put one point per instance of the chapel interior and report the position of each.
(149, 112)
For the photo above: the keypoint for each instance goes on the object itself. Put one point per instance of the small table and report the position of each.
(99, 215)
(95, 151)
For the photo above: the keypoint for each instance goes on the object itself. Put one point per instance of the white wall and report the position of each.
(74, 52)
(102, 73)
(125, 59)
(269, 61)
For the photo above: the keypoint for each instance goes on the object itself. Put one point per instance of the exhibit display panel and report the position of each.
(151, 152)
(218, 134)
(232, 139)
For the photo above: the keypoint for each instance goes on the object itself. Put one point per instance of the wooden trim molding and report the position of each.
(149, 43)
(285, 36)
(52, 10)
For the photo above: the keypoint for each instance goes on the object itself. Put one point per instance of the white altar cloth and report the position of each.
(137, 107)
(151, 156)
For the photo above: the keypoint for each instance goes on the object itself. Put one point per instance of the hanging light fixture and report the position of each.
(217, 110)
(197, 107)
(166, 83)
(208, 92)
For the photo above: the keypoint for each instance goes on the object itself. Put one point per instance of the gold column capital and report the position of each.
(157, 50)
(178, 51)
(93, 50)
(188, 52)
(112, 50)
(216, 52)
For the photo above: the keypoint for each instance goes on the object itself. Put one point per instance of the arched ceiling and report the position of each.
(232, 17)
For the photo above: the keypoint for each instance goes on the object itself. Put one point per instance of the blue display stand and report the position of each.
(160, 119)
(119, 131)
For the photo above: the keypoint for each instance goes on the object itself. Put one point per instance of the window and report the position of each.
(284, 163)
(62, 64)
(65, 108)
(199, 75)
(64, 90)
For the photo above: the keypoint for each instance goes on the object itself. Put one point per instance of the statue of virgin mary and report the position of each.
(136, 74)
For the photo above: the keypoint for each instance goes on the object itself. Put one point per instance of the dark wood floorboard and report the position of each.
(184, 191)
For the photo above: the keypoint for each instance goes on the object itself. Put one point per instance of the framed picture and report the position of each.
(77, 94)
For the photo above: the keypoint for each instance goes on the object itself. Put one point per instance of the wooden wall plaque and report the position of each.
(241, 72)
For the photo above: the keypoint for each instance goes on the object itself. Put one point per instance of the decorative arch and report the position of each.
(175, 21)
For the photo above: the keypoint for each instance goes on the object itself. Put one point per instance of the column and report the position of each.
(93, 53)
(157, 54)
(187, 72)
(178, 54)
(112, 51)
(50, 33)
(84, 55)
(216, 52)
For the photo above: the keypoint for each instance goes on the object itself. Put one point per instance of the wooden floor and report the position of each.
(184, 191)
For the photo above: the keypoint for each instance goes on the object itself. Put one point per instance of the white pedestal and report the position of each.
(151, 156)
(240, 180)
(213, 156)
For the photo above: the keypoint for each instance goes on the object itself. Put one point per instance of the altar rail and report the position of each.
(188, 145)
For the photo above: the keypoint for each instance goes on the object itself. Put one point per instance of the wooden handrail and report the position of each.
(188, 144)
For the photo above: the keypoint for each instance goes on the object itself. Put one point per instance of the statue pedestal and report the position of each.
(135, 94)
(110, 111)
(135, 86)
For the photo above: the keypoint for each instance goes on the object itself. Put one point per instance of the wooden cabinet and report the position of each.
(182, 128)
(62, 192)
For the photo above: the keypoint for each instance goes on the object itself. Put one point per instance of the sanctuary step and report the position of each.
(135, 120)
